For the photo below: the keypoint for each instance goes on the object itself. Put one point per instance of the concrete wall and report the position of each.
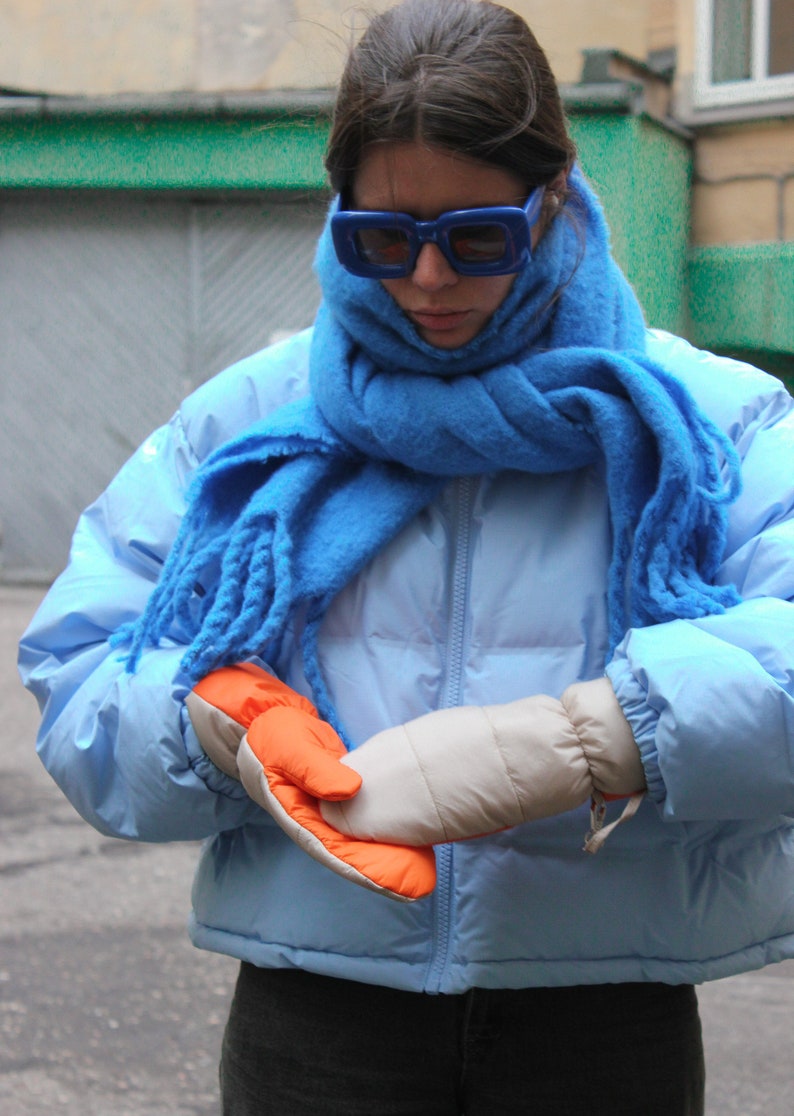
(101, 47)
(567, 27)
(97, 46)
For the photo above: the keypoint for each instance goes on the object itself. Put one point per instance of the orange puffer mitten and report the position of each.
(264, 733)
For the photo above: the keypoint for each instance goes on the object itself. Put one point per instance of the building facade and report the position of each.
(161, 188)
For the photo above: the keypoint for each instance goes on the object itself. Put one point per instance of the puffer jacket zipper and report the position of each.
(466, 489)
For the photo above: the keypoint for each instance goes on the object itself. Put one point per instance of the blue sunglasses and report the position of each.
(492, 240)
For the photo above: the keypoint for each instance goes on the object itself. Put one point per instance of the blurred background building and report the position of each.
(161, 189)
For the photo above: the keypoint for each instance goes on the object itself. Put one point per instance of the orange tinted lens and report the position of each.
(478, 243)
(384, 247)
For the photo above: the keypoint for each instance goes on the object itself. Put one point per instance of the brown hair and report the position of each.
(466, 75)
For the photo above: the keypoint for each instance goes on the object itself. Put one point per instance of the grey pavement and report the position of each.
(107, 1010)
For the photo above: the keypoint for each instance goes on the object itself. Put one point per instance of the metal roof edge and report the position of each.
(285, 103)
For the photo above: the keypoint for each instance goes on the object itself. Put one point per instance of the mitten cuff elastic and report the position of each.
(218, 733)
(606, 737)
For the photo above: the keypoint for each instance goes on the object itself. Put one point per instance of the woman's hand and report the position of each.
(289, 760)
(468, 771)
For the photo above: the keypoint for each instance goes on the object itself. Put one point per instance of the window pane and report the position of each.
(781, 37)
(732, 37)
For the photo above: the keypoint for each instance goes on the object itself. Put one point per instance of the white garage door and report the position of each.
(112, 308)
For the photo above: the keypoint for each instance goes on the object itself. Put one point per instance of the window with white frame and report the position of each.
(745, 51)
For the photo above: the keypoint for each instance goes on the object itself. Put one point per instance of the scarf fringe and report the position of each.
(284, 516)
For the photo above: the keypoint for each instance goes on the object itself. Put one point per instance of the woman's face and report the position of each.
(447, 309)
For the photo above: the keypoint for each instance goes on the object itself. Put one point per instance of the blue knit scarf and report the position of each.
(282, 517)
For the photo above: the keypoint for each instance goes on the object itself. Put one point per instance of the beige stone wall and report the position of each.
(99, 47)
(788, 210)
(102, 47)
(567, 27)
(744, 183)
(684, 21)
(662, 24)
(744, 171)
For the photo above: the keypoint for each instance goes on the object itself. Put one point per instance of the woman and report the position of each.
(481, 529)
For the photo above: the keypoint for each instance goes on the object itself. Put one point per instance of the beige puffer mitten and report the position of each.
(472, 770)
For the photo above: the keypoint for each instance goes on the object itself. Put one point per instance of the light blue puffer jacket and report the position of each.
(494, 593)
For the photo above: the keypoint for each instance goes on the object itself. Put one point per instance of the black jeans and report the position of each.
(297, 1044)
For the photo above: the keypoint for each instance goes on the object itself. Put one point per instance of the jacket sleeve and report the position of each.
(711, 701)
(120, 745)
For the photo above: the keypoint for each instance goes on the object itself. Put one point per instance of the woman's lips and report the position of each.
(439, 320)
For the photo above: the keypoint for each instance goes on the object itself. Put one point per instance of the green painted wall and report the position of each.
(732, 299)
(742, 302)
(738, 301)
(735, 299)
(642, 173)
(130, 152)
(640, 170)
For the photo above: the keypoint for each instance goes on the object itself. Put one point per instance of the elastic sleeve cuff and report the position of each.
(203, 767)
(643, 720)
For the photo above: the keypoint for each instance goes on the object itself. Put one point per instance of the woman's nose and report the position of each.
(433, 271)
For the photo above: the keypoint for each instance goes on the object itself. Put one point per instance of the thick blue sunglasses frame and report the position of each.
(513, 223)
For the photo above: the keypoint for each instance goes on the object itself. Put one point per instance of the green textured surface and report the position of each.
(640, 170)
(642, 174)
(730, 299)
(134, 153)
(742, 298)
